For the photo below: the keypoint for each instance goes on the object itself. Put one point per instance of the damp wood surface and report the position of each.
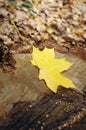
(63, 111)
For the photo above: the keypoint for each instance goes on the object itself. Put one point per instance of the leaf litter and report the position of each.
(50, 23)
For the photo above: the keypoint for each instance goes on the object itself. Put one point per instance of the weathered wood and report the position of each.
(63, 111)
(26, 102)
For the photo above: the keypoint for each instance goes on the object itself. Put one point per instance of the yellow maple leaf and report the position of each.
(51, 68)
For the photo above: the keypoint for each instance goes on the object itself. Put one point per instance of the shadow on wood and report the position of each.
(63, 111)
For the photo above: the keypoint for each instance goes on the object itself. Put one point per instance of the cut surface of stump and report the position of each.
(27, 103)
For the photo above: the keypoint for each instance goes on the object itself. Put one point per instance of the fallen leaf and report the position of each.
(13, 3)
(51, 68)
(27, 4)
(36, 2)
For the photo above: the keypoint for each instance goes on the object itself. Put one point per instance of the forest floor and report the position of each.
(58, 24)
